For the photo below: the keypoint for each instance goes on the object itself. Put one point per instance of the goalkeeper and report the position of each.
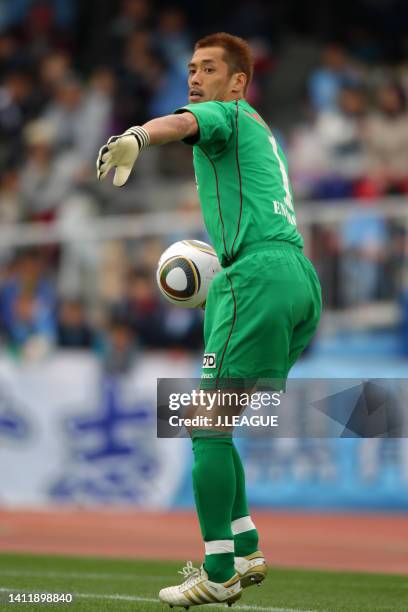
(263, 307)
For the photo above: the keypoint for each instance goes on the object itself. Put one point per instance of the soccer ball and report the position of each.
(185, 271)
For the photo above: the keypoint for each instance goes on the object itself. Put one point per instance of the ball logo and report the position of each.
(209, 360)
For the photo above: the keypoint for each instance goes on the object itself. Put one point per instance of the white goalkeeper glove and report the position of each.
(121, 152)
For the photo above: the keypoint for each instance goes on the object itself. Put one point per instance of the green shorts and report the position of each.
(261, 313)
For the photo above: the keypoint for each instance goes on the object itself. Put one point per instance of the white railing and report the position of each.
(332, 212)
(329, 214)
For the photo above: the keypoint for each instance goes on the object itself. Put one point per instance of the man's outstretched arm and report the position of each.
(122, 151)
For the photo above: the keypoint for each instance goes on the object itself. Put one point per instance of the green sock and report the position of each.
(245, 542)
(214, 492)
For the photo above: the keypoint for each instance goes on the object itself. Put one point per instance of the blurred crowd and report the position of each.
(354, 143)
(72, 74)
(121, 317)
(59, 102)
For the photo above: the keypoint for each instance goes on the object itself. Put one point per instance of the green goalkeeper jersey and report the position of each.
(242, 179)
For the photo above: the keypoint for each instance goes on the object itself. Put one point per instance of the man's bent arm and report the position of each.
(171, 128)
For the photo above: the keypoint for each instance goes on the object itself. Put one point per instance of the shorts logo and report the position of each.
(209, 360)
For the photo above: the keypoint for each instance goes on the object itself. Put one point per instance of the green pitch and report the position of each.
(102, 585)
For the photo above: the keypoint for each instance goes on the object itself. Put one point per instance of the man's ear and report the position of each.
(239, 82)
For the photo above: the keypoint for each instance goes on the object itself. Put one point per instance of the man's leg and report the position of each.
(245, 533)
(214, 485)
(249, 561)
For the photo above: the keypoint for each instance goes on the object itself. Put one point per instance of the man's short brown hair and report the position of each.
(237, 53)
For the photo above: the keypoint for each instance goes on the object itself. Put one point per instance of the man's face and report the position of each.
(209, 77)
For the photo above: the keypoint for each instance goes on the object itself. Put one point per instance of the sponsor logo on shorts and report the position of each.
(209, 360)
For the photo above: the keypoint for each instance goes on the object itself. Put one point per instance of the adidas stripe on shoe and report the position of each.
(197, 590)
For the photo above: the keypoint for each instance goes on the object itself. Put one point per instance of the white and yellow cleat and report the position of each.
(197, 590)
(251, 569)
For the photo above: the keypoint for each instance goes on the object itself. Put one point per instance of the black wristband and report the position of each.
(142, 136)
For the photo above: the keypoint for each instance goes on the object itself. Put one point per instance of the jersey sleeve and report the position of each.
(214, 124)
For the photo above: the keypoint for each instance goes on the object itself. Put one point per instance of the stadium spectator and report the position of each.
(386, 140)
(18, 104)
(46, 178)
(169, 91)
(79, 260)
(328, 156)
(27, 302)
(79, 120)
(12, 55)
(31, 329)
(334, 73)
(308, 161)
(73, 329)
(120, 351)
(138, 74)
(263, 67)
(153, 322)
(188, 206)
(184, 328)
(133, 15)
(99, 99)
(54, 69)
(143, 309)
(364, 238)
(340, 136)
(172, 37)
